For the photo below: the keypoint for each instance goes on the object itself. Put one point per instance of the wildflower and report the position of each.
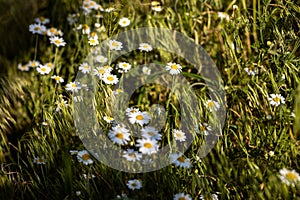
(100, 59)
(84, 157)
(89, 176)
(108, 119)
(73, 152)
(23, 67)
(45, 123)
(85, 68)
(57, 41)
(37, 29)
(52, 32)
(134, 184)
(99, 28)
(179, 135)
(147, 146)
(132, 155)
(93, 41)
(140, 118)
(124, 22)
(73, 86)
(86, 29)
(204, 128)
(182, 196)
(42, 20)
(130, 111)
(124, 67)
(223, 15)
(61, 104)
(179, 160)
(146, 70)
(155, 6)
(212, 105)
(115, 45)
(251, 71)
(50, 65)
(117, 91)
(110, 9)
(110, 79)
(173, 68)
(289, 177)
(43, 69)
(33, 63)
(58, 79)
(149, 132)
(39, 160)
(119, 134)
(145, 47)
(101, 71)
(276, 99)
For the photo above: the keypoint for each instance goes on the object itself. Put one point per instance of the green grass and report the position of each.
(263, 35)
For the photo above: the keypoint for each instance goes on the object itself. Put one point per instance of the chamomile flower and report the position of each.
(212, 105)
(149, 132)
(37, 29)
(179, 160)
(119, 134)
(101, 71)
(130, 111)
(182, 196)
(50, 65)
(145, 47)
(147, 146)
(155, 6)
(276, 99)
(179, 135)
(108, 119)
(99, 28)
(124, 67)
(73, 86)
(173, 68)
(43, 69)
(115, 45)
(33, 64)
(100, 59)
(110, 79)
(57, 41)
(84, 157)
(140, 118)
(52, 32)
(22, 67)
(134, 184)
(132, 155)
(289, 177)
(250, 71)
(85, 68)
(204, 128)
(42, 20)
(39, 160)
(124, 22)
(93, 41)
(86, 29)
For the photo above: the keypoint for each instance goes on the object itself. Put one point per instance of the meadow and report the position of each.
(65, 75)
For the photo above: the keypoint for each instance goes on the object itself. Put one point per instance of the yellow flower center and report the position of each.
(85, 156)
(43, 69)
(93, 41)
(110, 78)
(114, 44)
(42, 19)
(119, 136)
(139, 117)
(73, 85)
(151, 133)
(181, 159)
(57, 41)
(182, 198)
(132, 155)
(210, 104)
(276, 99)
(101, 71)
(124, 65)
(37, 28)
(133, 184)
(52, 30)
(57, 78)
(202, 128)
(174, 67)
(85, 27)
(291, 176)
(155, 3)
(147, 145)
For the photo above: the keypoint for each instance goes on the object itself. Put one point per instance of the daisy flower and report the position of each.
(110, 79)
(182, 196)
(155, 6)
(149, 132)
(39, 160)
(43, 69)
(52, 32)
(179, 135)
(101, 71)
(93, 41)
(86, 29)
(58, 79)
(73, 86)
(33, 64)
(212, 105)
(57, 41)
(108, 119)
(146, 70)
(115, 45)
(204, 128)
(73, 152)
(173, 68)
(130, 111)
(132, 155)
(50, 65)
(289, 177)
(23, 67)
(42, 20)
(276, 99)
(85, 68)
(179, 160)
(147, 146)
(84, 157)
(251, 71)
(140, 118)
(119, 134)
(124, 22)
(145, 47)
(134, 184)
(223, 15)
(100, 59)
(124, 67)
(37, 29)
